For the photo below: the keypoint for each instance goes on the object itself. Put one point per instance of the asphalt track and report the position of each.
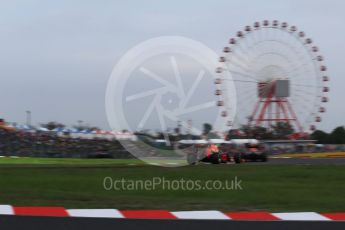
(277, 160)
(305, 161)
(68, 223)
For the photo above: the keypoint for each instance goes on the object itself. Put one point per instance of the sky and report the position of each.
(56, 56)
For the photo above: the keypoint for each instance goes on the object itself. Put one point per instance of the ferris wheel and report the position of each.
(279, 76)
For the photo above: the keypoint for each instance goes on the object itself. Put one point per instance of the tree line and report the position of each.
(337, 136)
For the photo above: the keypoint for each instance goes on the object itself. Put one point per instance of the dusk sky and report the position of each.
(57, 56)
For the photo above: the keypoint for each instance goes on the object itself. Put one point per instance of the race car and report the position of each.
(217, 151)
(201, 150)
(249, 152)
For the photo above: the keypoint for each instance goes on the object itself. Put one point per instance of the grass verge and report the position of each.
(78, 183)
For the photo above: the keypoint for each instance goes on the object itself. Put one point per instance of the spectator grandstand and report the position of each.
(50, 144)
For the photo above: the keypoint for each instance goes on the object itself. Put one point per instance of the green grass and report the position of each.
(78, 183)
(36, 162)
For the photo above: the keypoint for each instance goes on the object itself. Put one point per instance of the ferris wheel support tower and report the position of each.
(273, 105)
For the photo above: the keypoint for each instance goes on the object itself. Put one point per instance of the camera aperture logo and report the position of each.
(162, 85)
(162, 183)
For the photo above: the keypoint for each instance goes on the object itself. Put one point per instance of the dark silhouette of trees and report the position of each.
(207, 129)
(321, 136)
(281, 130)
(52, 125)
(337, 136)
(207, 132)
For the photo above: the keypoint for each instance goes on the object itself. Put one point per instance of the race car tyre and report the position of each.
(237, 159)
(214, 159)
(264, 158)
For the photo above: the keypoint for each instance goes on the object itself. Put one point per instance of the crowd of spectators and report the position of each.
(45, 144)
